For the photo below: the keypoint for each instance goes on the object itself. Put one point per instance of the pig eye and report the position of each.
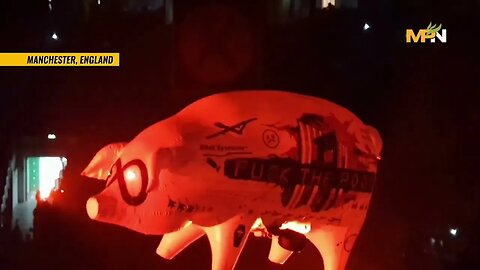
(133, 180)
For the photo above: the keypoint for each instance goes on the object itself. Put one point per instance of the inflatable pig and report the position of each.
(274, 164)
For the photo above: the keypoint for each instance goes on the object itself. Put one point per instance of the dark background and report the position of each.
(421, 97)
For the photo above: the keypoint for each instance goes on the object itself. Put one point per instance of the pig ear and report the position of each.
(101, 163)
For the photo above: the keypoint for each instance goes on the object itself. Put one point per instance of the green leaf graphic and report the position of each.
(433, 29)
(430, 24)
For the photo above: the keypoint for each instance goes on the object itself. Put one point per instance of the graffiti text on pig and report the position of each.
(288, 174)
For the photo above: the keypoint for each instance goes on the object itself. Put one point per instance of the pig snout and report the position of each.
(104, 208)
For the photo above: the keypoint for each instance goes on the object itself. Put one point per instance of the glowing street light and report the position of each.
(366, 26)
(51, 136)
(54, 36)
(453, 231)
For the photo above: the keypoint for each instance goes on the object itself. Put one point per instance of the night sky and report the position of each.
(421, 97)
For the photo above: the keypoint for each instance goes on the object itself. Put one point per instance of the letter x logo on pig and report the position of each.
(118, 174)
(237, 128)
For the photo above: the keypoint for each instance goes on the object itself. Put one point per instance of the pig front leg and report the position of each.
(174, 242)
